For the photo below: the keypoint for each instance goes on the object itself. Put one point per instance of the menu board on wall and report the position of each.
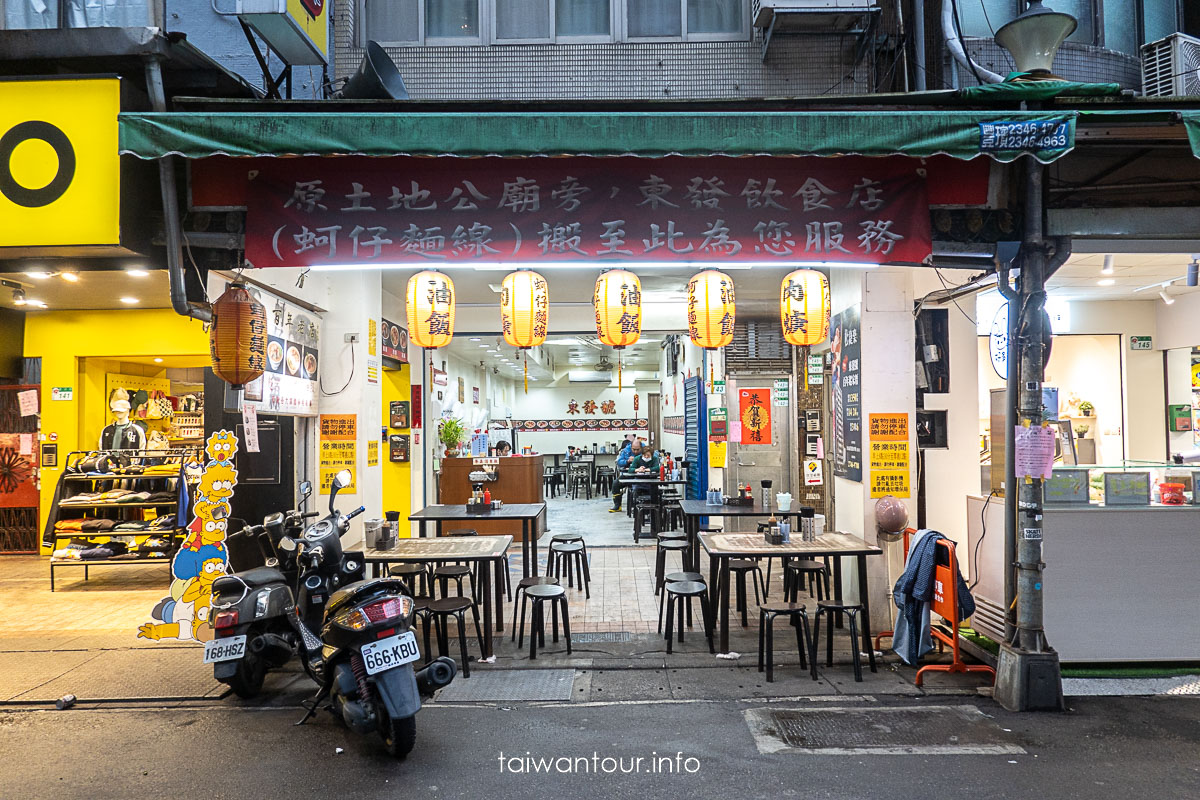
(847, 395)
(395, 341)
(289, 385)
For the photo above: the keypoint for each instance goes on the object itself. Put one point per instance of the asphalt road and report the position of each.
(1102, 748)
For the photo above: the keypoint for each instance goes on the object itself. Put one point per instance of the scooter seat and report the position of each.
(259, 576)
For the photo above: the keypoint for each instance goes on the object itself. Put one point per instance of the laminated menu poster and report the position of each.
(845, 350)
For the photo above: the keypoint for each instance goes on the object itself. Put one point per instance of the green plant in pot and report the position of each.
(1081, 431)
(1086, 408)
(451, 433)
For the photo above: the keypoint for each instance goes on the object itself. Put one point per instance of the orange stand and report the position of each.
(945, 604)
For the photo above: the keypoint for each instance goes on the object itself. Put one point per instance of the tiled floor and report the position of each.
(592, 519)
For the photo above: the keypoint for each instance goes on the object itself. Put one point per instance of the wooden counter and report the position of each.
(518, 480)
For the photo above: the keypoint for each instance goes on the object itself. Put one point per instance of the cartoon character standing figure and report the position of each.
(202, 558)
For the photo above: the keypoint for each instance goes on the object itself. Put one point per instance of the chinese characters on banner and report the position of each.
(307, 211)
(338, 449)
(847, 395)
(754, 410)
(889, 461)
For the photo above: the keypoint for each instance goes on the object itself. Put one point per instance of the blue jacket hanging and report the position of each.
(912, 594)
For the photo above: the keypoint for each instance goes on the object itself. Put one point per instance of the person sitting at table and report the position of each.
(503, 448)
(644, 465)
(627, 452)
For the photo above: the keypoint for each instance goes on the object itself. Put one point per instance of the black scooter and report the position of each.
(363, 659)
(253, 609)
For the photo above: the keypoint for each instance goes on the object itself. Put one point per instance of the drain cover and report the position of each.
(907, 730)
(602, 636)
(510, 684)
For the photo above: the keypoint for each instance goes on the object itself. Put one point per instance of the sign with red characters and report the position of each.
(359, 211)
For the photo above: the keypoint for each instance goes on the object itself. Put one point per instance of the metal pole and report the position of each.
(1010, 442)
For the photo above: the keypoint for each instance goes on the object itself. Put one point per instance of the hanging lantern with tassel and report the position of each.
(618, 304)
(804, 307)
(710, 311)
(430, 309)
(524, 312)
(237, 339)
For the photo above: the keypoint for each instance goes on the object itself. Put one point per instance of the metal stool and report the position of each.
(444, 573)
(540, 595)
(739, 567)
(441, 611)
(660, 561)
(409, 571)
(522, 585)
(795, 573)
(570, 538)
(828, 610)
(568, 555)
(680, 594)
(645, 512)
(767, 613)
(678, 577)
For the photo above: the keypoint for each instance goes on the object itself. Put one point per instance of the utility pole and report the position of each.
(1028, 677)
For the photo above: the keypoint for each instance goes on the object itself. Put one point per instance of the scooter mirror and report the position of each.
(342, 479)
(287, 543)
(305, 490)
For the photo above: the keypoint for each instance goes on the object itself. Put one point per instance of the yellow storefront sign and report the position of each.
(338, 449)
(888, 457)
(889, 481)
(60, 176)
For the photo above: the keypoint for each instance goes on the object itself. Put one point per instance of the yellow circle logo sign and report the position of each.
(59, 168)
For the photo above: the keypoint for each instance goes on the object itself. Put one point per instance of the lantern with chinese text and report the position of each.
(524, 312)
(710, 311)
(237, 339)
(430, 309)
(804, 307)
(618, 304)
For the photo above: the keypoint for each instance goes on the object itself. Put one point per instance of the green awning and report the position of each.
(1191, 123)
(1002, 135)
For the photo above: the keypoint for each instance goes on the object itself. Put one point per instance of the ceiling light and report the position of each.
(129, 301)
(1107, 269)
(158, 361)
(1166, 298)
(1106, 282)
(19, 297)
(41, 276)
(35, 303)
(136, 273)
(475, 339)
(69, 277)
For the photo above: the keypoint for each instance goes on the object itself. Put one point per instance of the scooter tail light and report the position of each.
(388, 608)
(226, 619)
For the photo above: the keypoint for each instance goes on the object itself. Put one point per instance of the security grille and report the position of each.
(758, 346)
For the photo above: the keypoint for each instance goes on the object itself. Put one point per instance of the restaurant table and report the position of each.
(526, 513)
(721, 547)
(693, 510)
(458, 548)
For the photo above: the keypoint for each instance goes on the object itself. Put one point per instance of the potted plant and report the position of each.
(451, 434)
(1086, 408)
(1081, 431)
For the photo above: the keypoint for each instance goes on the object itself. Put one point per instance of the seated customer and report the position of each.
(643, 465)
(503, 448)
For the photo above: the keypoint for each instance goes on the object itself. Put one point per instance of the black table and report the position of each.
(458, 548)
(721, 547)
(693, 510)
(526, 513)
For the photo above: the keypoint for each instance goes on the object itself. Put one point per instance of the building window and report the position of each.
(436, 22)
(1121, 25)
(35, 14)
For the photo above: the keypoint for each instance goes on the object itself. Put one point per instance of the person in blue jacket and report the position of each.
(629, 451)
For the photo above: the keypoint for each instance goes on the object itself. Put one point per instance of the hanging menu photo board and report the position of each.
(847, 395)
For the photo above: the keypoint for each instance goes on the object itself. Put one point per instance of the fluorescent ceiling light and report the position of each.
(1106, 282)
(158, 361)
(40, 275)
(136, 273)
(35, 303)
(129, 301)
(69, 277)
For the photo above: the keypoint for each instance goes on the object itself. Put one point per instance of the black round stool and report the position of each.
(540, 595)
(767, 612)
(660, 566)
(678, 577)
(681, 594)
(796, 571)
(829, 610)
(573, 538)
(572, 557)
(522, 585)
(409, 572)
(738, 568)
(444, 573)
(456, 607)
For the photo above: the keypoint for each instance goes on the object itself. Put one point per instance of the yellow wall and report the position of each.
(397, 490)
(77, 349)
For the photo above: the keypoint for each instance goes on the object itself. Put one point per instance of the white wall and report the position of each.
(1179, 392)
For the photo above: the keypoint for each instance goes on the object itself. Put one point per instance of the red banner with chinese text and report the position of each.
(311, 211)
(754, 410)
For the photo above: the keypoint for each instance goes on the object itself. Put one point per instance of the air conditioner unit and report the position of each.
(808, 14)
(1171, 67)
(297, 31)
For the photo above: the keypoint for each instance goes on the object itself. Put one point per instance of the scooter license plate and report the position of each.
(226, 649)
(389, 653)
